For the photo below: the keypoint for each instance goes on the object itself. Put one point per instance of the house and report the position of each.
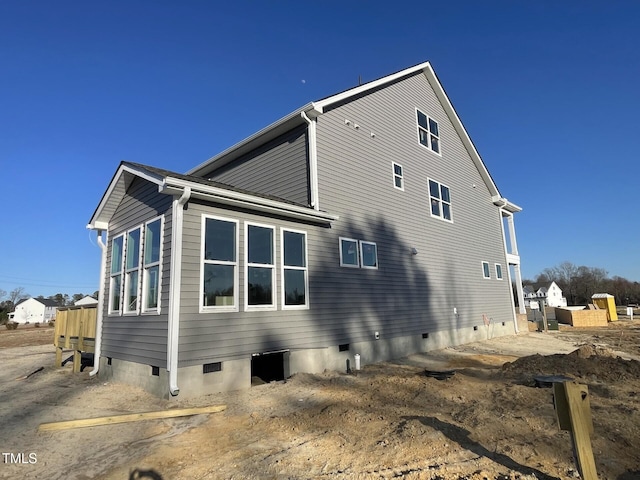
(86, 300)
(34, 310)
(363, 223)
(551, 294)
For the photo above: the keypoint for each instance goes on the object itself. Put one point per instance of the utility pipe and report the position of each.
(313, 161)
(177, 211)
(99, 313)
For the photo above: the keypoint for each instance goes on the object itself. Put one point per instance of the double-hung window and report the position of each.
(151, 273)
(115, 284)
(260, 273)
(295, 279)
(498, 271)
(428, 132)
(440, 199)
(219, 264)
(132, 271)
(486, 273)
(398, 177)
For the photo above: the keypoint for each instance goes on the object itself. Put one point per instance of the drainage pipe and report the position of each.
(99, 313)
(313, 161)
(177, 212)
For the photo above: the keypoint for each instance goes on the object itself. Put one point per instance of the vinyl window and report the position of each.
(295, 277)
(132, 271)
(151, 266)
(260, 273)
(398, 176)
(428, 132)
(498, 271)
(486, 273)
(115, 283)
(219, 277)
(349, 256)
(440, 200)
(368, 255)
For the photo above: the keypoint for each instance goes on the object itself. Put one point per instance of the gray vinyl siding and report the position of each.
(139, 338)
(223, 335)
(279, 168)
(408, 294)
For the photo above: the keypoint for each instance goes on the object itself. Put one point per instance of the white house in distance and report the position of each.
(86, 301)
(33, 310)
(551, 294)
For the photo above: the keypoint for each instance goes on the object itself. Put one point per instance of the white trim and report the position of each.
(284, 267)
(362, 265)
(247, 265)
(394, 175)
(143, 308)
(110, 310)
(440, 200)
(428, 131)
(487, 271)
(236, 264)
(128, 271)
(349, 265)
(313, 160)
(501, 275)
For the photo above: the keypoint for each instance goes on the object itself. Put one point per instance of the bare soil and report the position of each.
(389, 420)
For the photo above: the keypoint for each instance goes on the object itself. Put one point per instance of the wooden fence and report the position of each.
(75, 330)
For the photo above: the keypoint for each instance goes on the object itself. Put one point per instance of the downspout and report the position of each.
(100, 312)
(313, 161)
(175, 288)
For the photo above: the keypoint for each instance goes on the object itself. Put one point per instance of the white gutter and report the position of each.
(99, 313)
(313, 161)
(174, 288)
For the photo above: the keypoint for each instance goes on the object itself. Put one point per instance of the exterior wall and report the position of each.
(442, 287)
(32, 311)
(279, 168)
(139, 338)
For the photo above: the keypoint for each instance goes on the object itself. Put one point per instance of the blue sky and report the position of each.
(548, 91)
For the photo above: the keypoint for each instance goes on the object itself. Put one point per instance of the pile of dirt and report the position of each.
(590, 363)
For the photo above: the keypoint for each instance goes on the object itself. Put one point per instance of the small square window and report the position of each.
(485, 270)
(368, 254)
(349, 256)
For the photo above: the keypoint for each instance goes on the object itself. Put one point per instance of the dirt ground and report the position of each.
(389, 420)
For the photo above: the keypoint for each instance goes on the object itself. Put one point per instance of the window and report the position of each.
(115, 285)
(428, 132)
(398, 178)
(498, 271)
(151, 260)
(132, 271)
(219, 264)
(440, 199)
(485, 270)
(295, 281)
(260, 266)
(368, 254)
(349, 256)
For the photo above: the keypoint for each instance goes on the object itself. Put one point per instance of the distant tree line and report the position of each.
(8, 301)
(579, 283)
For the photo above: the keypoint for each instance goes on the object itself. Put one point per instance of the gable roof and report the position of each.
(317, 108)
(47, 302)
(172, 183)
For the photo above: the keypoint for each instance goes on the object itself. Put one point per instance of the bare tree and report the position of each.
(16, 295)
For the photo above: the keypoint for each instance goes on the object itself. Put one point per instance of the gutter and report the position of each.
(313, 160)
(99, 316)
(177, 211)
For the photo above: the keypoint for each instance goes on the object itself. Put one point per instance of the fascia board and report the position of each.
(229, 197)
(99, 223)
(267, 132)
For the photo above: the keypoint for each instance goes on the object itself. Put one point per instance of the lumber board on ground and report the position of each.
(129, 417)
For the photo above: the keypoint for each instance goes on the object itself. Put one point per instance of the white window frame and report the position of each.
(499, 274)
(284, 267)
(145, 268)
(273, 305)
(112, 275)
(357, 245)
(128, 271)
(236, 286)
(396, 176)
(440, 200)
(362, 265)
(429, 133)
(486, 271)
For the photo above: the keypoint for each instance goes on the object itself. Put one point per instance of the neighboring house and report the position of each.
(33, 310)
(364, 223)
(86, 300)
(551, 294)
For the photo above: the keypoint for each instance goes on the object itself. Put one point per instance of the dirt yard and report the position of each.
(390, 420)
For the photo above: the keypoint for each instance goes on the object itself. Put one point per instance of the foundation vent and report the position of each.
(425, 335)
(343, 348)
(155, 371)
(212, 367)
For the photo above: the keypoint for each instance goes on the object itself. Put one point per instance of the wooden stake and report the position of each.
(132, 417)
(574, 414)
